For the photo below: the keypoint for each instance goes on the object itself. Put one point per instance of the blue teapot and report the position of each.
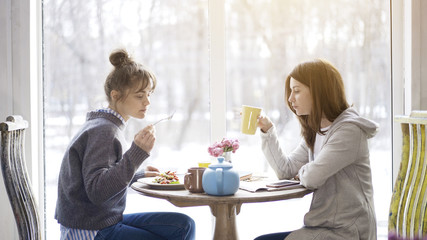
(220, 179)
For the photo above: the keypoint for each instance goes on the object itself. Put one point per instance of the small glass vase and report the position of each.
(227, 156)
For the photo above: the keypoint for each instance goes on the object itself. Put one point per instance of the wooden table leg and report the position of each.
(225, 220)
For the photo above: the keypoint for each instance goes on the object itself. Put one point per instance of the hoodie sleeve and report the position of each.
(285, 166)
(339, 151)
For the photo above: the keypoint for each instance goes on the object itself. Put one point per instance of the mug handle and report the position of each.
(187, 181)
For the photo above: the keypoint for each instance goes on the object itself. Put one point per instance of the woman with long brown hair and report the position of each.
(333, 158)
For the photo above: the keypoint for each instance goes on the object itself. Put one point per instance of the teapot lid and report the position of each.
(221, 164)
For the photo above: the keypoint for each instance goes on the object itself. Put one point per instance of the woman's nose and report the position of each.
(146, 101)
(291, 98)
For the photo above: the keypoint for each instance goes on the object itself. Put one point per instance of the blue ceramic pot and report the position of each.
(220, 179)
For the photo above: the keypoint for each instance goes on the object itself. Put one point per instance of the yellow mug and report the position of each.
(204, 164)
(249, 119)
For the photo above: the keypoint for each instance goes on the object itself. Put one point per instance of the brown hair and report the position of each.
(327, 94)
(127, 74)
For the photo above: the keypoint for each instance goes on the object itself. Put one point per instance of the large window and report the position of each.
(265, 39)
(170, 37)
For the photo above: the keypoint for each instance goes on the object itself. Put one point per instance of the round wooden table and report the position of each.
(223, 208)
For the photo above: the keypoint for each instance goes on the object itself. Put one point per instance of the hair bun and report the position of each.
(119, 58)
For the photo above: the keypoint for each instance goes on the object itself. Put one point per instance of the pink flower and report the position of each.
(218, 152)
(226, 145)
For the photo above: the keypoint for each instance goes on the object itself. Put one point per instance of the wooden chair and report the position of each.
(16, 178)
(408, 213)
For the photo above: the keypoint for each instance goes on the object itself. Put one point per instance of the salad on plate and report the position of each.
(167, 177)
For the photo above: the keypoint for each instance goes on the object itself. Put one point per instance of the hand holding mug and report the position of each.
(264, 123)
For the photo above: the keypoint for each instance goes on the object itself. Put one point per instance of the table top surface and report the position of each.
(184, 198)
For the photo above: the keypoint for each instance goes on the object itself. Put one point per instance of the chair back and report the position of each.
(408, 213)
(16, 178)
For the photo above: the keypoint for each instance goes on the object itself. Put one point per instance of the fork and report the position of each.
(165, 119)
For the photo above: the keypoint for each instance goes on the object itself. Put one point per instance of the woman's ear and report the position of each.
(115, 95)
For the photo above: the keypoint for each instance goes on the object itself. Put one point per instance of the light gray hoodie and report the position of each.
(342, 206)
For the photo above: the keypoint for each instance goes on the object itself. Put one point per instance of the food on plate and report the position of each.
(167, 177)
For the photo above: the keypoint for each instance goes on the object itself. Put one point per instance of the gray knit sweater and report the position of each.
(95, 174)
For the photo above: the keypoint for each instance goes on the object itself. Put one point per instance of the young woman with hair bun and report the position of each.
(97, 168)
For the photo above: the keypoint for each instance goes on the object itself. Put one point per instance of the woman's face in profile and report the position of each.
(300, 97)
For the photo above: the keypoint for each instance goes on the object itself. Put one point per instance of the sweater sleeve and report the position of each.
(285, 166)
(106, 171)
(139, 174)
(339, 151)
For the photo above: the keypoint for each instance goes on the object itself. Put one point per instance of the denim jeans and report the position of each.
(147, 226)
(274, 236)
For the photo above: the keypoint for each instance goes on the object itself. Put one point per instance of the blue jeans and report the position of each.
(146, 226)
(273, 236)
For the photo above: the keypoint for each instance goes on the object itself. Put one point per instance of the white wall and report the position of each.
(415, 55)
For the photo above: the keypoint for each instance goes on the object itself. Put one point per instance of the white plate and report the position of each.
(149, 182)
